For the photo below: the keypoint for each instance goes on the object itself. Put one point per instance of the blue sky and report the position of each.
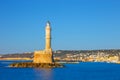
(76, 24)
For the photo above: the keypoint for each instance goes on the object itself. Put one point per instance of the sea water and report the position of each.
(81, 71)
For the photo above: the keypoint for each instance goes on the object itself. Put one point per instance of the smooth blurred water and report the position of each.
(81, 71)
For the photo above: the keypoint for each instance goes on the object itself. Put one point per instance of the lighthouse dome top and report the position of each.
(48, 23)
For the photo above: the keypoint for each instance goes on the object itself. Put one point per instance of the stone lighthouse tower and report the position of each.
(45, 56)
(42, 58)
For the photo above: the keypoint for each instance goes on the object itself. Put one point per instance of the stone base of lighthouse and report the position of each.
(44, 56)
(42, 59)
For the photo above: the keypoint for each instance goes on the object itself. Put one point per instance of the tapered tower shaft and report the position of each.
(48, 36)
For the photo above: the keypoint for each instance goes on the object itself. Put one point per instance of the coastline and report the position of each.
(61, 62)
(16, 59)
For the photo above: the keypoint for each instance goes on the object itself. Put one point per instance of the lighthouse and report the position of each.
(42, 58)
(45, 56)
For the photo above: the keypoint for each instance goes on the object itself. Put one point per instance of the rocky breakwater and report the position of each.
(37, 65)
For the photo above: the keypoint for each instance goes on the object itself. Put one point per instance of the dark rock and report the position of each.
(36, 65)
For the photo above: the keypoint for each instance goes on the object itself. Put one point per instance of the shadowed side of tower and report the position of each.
(45, 56)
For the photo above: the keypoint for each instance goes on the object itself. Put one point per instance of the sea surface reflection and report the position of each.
(43, 74)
